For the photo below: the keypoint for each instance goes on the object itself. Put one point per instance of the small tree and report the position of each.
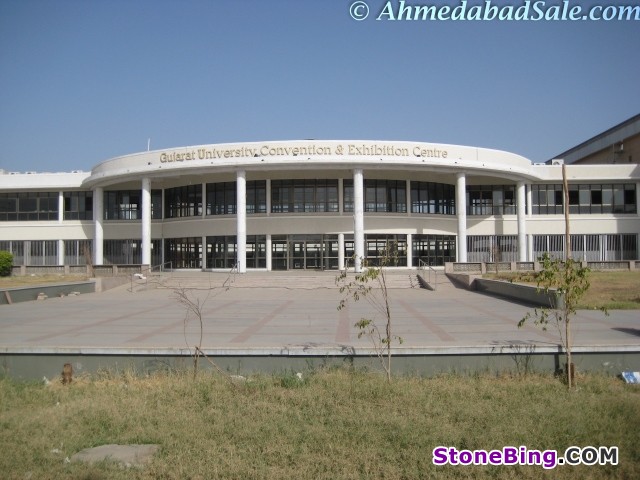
(6, 263)
(570, 281)
(193, 305)
(371, 285)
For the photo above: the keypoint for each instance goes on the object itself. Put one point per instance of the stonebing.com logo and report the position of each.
(487, 10)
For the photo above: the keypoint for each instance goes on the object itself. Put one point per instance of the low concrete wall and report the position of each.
(518, 291)
(464, 280)
(26, 294)
(514, 359)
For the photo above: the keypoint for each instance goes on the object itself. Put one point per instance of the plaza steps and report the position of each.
(303, 279)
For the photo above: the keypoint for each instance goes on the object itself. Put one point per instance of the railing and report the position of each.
(424, 266)
(232, 276)
(161, 267)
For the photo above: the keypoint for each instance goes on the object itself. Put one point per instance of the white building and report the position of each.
(315, 204)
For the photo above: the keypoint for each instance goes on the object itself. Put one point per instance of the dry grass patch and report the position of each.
(611, 290)
(30, 280)
(332, 424)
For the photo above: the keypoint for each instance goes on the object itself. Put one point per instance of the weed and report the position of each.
(334, 423)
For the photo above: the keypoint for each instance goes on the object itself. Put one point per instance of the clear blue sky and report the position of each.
(84, 81)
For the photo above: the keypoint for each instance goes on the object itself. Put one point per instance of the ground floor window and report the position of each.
(433, 250)
(77, 252)
(589, 247)
(317, 252)
(222, 251)
(15, 248)
(492, 248)
(32, 252)
(129, 252)
(312, 252)
(376, 246)
(183, 252)
(42, 252)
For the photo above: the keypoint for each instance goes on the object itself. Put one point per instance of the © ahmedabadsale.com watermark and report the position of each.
(547, 459)
(487, 10)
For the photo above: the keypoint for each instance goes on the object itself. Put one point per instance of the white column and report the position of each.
(522, 233)
(409, 250)
(268, 193)
(146, 221)
(98, 216)
(162, 216)
(268, 252)
(358, 218)
(60, 252)
(341, 251)
(204, 252)
(60, 206)
(408, 195)
(204, 201)
(60, 220)
(241, 220)
(461, 213)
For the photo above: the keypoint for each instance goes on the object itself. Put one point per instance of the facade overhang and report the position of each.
(311, 154)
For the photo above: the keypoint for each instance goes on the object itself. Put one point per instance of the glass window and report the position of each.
(385, 196)
(347, 188)
(304, 196)
(28, 206)
(377, 245)
(221, 198)
(584, 198)
(491, 199)
(78, 205)
(127, 204)
(184, 252)
(183, 201)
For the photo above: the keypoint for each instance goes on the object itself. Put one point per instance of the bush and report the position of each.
(6, 263)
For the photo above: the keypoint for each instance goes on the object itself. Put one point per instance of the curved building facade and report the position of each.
(317, 205)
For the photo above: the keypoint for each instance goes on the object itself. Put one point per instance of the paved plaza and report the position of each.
(259, 320)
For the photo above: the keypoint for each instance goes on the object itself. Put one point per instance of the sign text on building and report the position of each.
(366, 150)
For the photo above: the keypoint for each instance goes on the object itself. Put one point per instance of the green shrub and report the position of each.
(6, 263)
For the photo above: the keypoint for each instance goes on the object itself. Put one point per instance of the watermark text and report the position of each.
(547, 459)
(527, 10)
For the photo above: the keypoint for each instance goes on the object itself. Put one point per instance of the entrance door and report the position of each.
(279, 253)
(314, 253)
(300, 252)
(307, 252)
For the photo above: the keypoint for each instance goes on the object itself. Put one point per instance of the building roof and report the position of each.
(616, 134)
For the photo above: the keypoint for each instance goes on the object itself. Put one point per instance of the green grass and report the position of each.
(616, 290)
(335, 424)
